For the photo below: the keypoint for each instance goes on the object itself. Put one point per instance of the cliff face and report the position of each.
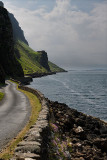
(18, 33)
(2, 75)
(44, 60)
(8, 63)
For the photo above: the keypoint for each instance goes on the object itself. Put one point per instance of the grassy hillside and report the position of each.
(55, 68)
(30, 60)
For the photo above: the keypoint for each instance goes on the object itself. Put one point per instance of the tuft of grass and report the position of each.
(1, 96)
(36, 107)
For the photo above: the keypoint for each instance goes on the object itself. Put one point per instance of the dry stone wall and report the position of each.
(35, 142)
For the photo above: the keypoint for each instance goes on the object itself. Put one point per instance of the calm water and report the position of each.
(85, 91)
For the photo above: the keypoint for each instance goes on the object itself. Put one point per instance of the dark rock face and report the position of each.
(18, 33)
(8, 62)
(88, 135)
(44, 60)
(2, 75)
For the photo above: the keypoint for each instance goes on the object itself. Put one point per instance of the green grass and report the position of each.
(55, 68)
(36, 107)
(1, 96)
(29, 60)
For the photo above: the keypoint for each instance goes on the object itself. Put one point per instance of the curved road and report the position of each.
(14, 113)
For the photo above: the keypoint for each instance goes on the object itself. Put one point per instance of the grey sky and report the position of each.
(73, 32)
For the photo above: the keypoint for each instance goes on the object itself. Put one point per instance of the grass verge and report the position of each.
(36, 107)
(1, 96)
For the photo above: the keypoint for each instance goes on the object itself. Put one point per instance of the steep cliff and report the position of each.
(18, 33)
(9, 65)
(44, 60)
(2, 75)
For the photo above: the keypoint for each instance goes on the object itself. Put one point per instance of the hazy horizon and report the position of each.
(73, 33)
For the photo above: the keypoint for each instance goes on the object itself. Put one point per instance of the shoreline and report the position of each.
(29, 77)
(85, 97)
(88, 134)
(36, 75)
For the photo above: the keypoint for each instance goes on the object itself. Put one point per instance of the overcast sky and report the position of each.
(72, 32)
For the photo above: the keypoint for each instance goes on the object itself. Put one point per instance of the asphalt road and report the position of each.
(14, 113)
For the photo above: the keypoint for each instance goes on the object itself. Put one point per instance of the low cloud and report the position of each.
(69, 35)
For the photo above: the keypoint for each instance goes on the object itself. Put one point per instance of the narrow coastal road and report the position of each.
(14, 113)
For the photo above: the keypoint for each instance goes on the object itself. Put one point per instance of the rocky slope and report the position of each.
(87, 135)
(9, 65)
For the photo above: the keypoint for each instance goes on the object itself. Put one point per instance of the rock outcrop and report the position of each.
(8, 62)
(44, 60)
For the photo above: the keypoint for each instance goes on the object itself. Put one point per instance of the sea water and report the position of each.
(83, 90)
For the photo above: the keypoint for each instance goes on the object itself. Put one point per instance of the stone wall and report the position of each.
(35, 142)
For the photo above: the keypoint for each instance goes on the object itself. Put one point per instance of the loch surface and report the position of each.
(83, 90)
